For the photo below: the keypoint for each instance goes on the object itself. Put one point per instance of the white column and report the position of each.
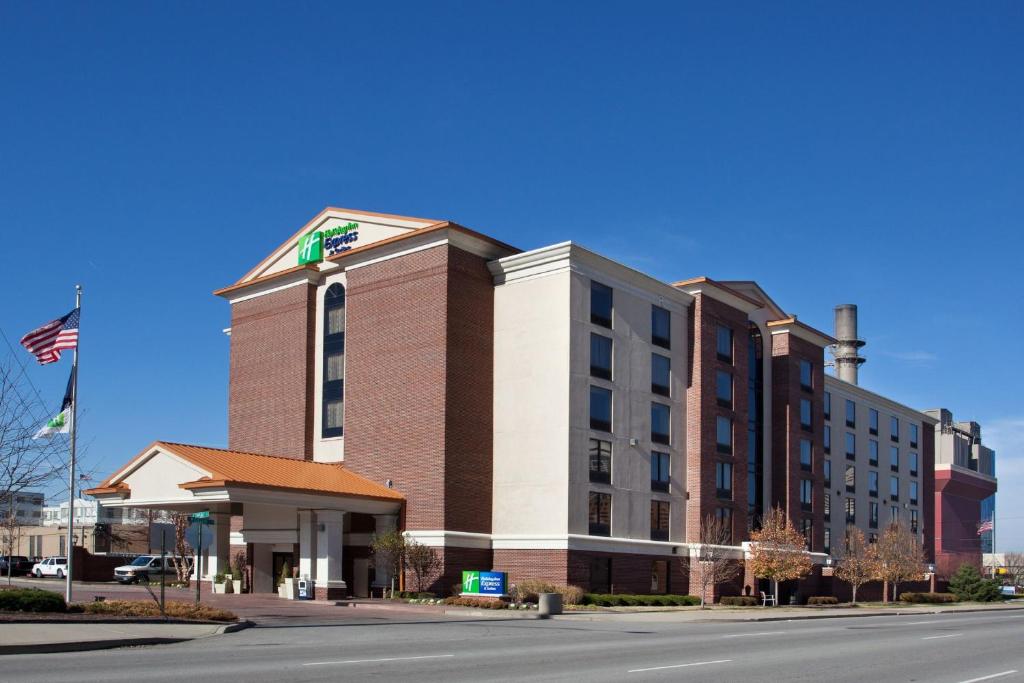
(384, 524)
(307, 544)
(218, 556)
(330, 526)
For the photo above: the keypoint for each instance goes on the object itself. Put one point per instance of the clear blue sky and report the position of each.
(833, 152)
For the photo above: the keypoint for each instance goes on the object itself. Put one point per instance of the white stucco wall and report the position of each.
(150, 482)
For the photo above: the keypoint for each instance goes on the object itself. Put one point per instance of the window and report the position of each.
(851, 446)
(723, 479)
(659, 520)
(913, 521)
(894, 514)
(659, 577)
(828, 541)
(894, 458)
(807, 528)
(659, 471)
(894, 488)
(600, 304)
(723, 434)
(828, 473)
(805, 455)
(661, 331)
(600, 409)
(894, 428)
(723, 388)
(806, 375)
(913, 464)
(827, 439)
(805, 414)
(913, 435)
(872, 538)
(723, 343)
(600, 356)
(913, 493)
(828, 405)
(806, 494)
(333, 401)
(873, 515)
(828, 506)
(873, 421)
(851, 510)
(660, 418)
(873, 452)
(601, 574)
(851, 413)
(600, 461)
(873, 484)
(661, 372)
(600, 514)
(851, 479)
(725, 515)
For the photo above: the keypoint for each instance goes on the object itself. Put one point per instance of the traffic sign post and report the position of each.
(201, 518)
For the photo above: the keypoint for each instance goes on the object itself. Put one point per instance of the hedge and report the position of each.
(822, 600)
(480, 603)
(31, 600)
(927, 597)
(740, 601)
(627, 600)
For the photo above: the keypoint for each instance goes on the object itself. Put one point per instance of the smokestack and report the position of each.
(847, 349)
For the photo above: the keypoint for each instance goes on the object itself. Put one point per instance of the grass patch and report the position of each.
(176, 609)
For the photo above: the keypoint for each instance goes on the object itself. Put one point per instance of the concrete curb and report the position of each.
(109, 644)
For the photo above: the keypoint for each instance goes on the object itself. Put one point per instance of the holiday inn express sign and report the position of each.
(484, 583)
(312, 245)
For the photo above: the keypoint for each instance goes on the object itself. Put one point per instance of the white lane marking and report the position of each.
(948, 635)
(916, 623)
(678, 666)
(750, 635)
(990, 677)
(366, 661)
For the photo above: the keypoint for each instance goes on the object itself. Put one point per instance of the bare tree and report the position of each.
(1014, 564)
(714, 563)
(856, 562)
(182, 548)
(387, 552)
(898, 557)
(424, 562)
(778, 551)
(26, 463)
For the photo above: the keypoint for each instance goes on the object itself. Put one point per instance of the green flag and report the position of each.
(61, 422)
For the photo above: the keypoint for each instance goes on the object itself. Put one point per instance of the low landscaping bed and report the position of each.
(176, 609)
(930, 598)
(625, 600)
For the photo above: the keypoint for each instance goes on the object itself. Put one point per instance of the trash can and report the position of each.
(548, 604)
(306, 591)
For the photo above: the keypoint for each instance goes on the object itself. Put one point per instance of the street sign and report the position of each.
(204, 514)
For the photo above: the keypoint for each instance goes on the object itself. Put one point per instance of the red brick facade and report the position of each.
(270, 407)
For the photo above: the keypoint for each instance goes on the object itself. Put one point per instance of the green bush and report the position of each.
(739, 601)
(822, 600)
(626, 600)
(927, 597)
(968, 584)
(31, 600)
(422, 595)
(479, 603)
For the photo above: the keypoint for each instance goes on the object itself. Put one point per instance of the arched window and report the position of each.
(334, 362)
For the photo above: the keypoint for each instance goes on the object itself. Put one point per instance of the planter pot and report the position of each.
(236, 584)
(289, 589)
(219, 588)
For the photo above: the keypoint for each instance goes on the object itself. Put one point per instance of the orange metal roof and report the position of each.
(238, 468)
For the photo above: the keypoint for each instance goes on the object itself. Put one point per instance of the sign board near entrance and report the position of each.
(484, 583)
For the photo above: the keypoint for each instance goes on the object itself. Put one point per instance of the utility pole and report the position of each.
(71, 468)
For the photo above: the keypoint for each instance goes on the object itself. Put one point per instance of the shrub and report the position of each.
(479, 603)
(968, 584)
(927, 597)
(528, 590)
(626, 600)
(739, 601)
(421, 595)
(822, 600)
(145, 608)
(31, 600)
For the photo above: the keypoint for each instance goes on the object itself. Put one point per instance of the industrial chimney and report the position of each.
(847, 348)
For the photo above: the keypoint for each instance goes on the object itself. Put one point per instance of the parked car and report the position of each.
(146, 567)
(51, 566)
(18, 565)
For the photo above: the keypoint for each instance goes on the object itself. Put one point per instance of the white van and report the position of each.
(146, 567)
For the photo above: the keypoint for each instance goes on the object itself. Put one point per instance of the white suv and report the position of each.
(145, 566)
(51, 566)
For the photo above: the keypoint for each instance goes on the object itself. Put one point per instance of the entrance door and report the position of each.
(361, 577)
(279, 561)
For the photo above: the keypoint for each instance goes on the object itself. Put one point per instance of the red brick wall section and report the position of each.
(543, 565)
(787, 352)
(395, 346)
(702, 410)
(630, 573)
(271, 373)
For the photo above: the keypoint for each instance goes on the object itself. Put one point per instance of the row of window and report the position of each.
(851, 513)
(601, 364)
(602, 306)
(601, 469)
(894, 422)
(600, 516)
(850, 481)
(851, 452)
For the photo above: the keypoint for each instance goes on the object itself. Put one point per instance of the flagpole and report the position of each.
(71, 469)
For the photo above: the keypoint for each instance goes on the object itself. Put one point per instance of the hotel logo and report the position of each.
(311, 248)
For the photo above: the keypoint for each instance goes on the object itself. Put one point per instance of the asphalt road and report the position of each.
(963, 648)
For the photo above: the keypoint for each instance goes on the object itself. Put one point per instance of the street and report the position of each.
(944, 647)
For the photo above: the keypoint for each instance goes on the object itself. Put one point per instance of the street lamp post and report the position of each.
(931, 575)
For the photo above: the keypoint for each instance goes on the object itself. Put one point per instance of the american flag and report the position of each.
(985, 526)
(46, 342)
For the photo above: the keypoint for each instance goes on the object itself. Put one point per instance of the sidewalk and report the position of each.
(30, 638)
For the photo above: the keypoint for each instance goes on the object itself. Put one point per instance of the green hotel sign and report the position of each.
(484, 583)
(333, 241)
